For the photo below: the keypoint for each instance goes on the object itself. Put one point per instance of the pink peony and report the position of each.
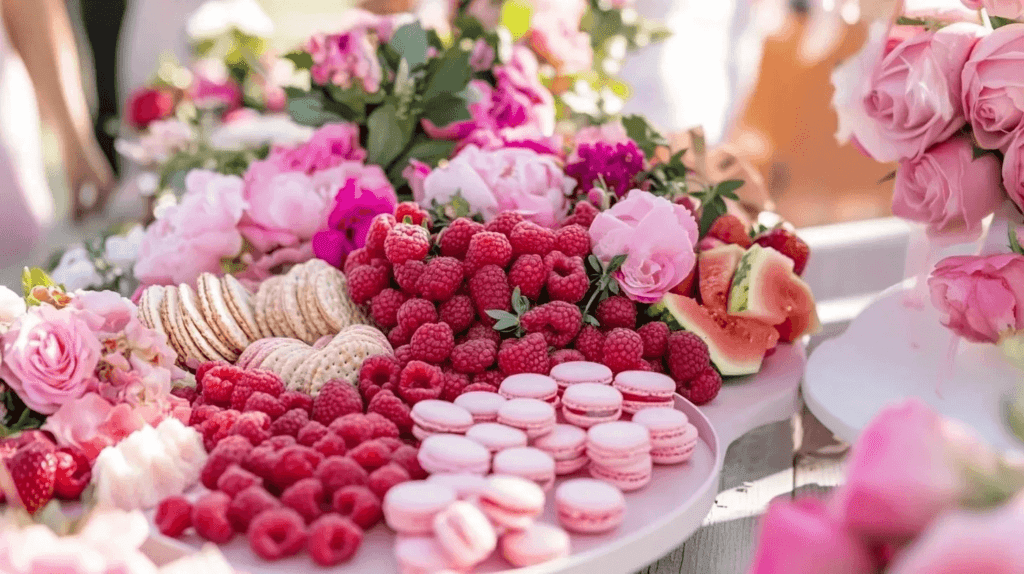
(657, 237)
(328, 147)
(1011, 9)
(49, 357)
(948, 189)
(510, 179)
(992, 82)
(981, 298)
(355, 206)
(802, 537)
(416, 173)
(556, 36)
(261, 266)
(344, 59)
(12, 306)
(284, 207)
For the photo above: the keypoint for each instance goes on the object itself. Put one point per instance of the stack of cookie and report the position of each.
(309, 302)
(307, 368)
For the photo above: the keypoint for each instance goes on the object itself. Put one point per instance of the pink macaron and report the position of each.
(482, 405)
(538, 543)
(496, 437)
(527, 462)
(644, 390)
(465, 533)
(422, 555)
(467, 486)
(439, 417)
(618, 443)
(530, 386)
(588, 404)
(453, 453)
(673, 438)
(629, 477)
(573, 372)
(532, 416)
(589, 506)
(567, 444)
(511, 501)
(410, 507)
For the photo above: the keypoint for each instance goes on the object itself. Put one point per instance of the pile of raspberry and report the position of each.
(439, 295)
(287, 470)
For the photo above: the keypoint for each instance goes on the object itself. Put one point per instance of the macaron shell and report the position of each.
(529, 386)
(465, 533)
(511, 501)
(526, 462)
(533, 416)
(421, 555)
(454, 454)
(589, 506)
(679, 452)
(644, 389)
(467, 486)
(627, 478)
(588, 404)
(534, 545)
(572, 372)
(482, 405)
(618, 443)
(496, 436)
(411, 508)
(564, 442)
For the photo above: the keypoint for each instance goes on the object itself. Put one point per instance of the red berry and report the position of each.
(590, 342)
(504, 222)
(173, 516)
(528, 237)
(277, 533)
(217, 427)
(703, 388)
(296, 400)
(384, 307)
(623, 350)
(229, 451)
(489, 377)
(557, 321)
(204, 368)
(219, 384)
(359, 504)
(687, 356)
(249, 504)
(385, 477)
(655, 338)
(453, 385)
(336, 398)
(573, 240)
(337, 472)
(564, 356)
(420, 381)
(788, 244)
(290, 423)
(488, 248)
(330, 445)
(236, 479)
(312, 432)
(376, 371)
(187, 393)
(583, 214)
(409, 212)
(333, 540)
(528, 273)
(616, 312)
(474, 356)
(406, 241)
(264, 403)
(73, 473)
(407, 275)
(440, 279)
(490, 291)
(210, 517)
(567, 277)
(399, 336)
(392, 408)
(366, 281)
(407, 457)
(432, 342)
(371, 454)
(454, 240)
(353, 429)
(458, 312)
(730, 229)
(202, 413)
(254, 425)
(306, 497)
(377, 234)
(414, 313)
(261, 461)
(280, 441)
(526, 355)
(481, 331)
(381, 427)
(293, 464)
(356, 258)
(653, 365)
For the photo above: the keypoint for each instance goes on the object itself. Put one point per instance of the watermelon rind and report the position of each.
(730, 355)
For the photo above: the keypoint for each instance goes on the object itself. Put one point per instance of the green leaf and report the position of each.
(643, 133)
(727, 188)
(451, 74)
(615, 263)
(594, 262)
(905, 21)
(388, 135)
(34, 277)
(1014, 243)
(614, 287)
(591, 320)
(519, 303)
(498, 314)
(302, 60)
(309, 110)
(709, 213)
(410, 41)
(423, 149)
(504, 324)
(999, 22)
(446, 109)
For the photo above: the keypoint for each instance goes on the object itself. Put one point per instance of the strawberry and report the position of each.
(30, 476)
(73, 473)
(730, 229)
(787, 243)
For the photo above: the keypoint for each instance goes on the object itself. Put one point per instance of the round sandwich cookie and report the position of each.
(618, 443)
(530, 386)
(292, 312)
(278, 311)
(306, 295)
(239, 303)
(526, 462)
(259, 308)
(410, 507)
(496, 437)
(465, 533)
(673, 438)
(567, 445)
(202, 333)
(215, 310)
(511, 501)
(439, 417)
(629, 477)
(467, 486)
(171, 316)
(534, 417)
(589, 506)
(422, 555)
(588, 404)
(644, 389)
(453, 453)
(333, 300)
(572, 372)
(483, 405)
(537, 544)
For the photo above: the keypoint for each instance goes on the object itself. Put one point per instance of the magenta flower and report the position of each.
(616, 164)
(355, 205)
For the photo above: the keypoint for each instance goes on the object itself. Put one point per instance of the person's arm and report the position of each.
(41, 33)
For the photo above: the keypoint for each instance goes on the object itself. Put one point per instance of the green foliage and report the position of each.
(603, 283)
(410, 42)
(713, 202)
(17, 417)
(646, 136)
(1016, 248)
(510, 322)
(34, 277)
(668, 178)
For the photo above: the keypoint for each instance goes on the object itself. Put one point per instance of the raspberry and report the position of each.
(333, 540)
(730, 229)
(296, 400)
(353, 429)
(583, 214)
(204, 368)
(281, 441)
(306, 497)
(210, 517)
(623, 350)
(432, 342)
(414, 313)
(788, 244)
(440, 279)
(419, 382)
(415, 215)
(290, 423)
(312, 432)
(336, 398)
(408, 274)
(653, 365)
(564, 356)
(399, 336)
(491, 378)
(261, 461)
(366, 281)
(173, 516)
(452, 385)
(458, 312)
(392, 408)
(231, 450)
(187, 393)
(687, 356)
(403, 355)
(264, 403)
(406, 241)
(590, 342)
(236, 479)
(573, 240)
(454, 240)
(202, 413)
(557, 321)
(526, 355)
(616, 312)
(377, 234)
(254, 426)
(382, 479)
(567, 278)
(219, 383)
(371, 454)
(217, 427)
(655, 338)
(263, 382)
(277, 533)
(392, 442)
(293, 464)
(529, 273)
(376, 371)
(481, 331)
(505, 222)
(337, 472)
(488, 248)
(359, 504)
(384, 307)
(381, 427)
(490, 290)
(249, 504)
(703, 388)
(528, 237)
(330, 445)
(407, 457)
(474, 356)
(357, 257)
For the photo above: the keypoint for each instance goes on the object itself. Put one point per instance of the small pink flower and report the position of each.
(345, 59)
(992, 81)
(1011, 9)
(980, 298)
(482, 56)
(328, 147)
(416, 173)
(77, 423)
(212, 86)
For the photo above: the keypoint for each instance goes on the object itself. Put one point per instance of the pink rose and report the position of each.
(77, 423)
(49, 357)
(344, 59)
(1011, 9)
(1013, 170)
(915, 94)
(514, 179)
(802, 537)
(981, 297)
(947, 188)
(106, 312)
(657, 237)
(992, 82)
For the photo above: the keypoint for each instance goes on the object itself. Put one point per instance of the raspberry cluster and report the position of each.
(288, 470)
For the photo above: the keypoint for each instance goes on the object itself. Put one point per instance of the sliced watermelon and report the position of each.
(715, 269)
(737, 344)
(766, 288)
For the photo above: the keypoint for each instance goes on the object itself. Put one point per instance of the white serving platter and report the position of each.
(658, 518)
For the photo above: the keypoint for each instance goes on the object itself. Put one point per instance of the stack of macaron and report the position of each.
(530, 386)
(620, 454)
(673, 437)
